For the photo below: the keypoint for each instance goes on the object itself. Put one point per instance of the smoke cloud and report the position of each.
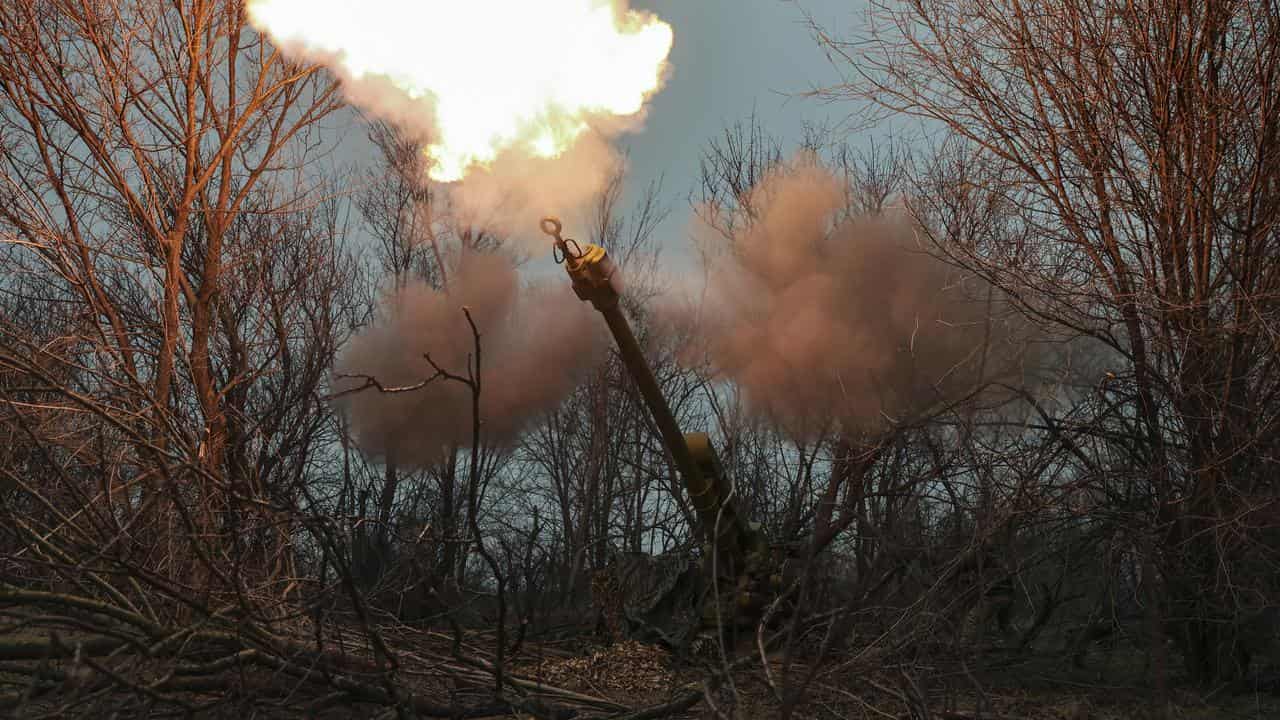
(517, 189)
(516, 101)
(537, 341)
(509, 194)
(822, 319)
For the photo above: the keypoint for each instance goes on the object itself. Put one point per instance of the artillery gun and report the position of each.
(659, 598)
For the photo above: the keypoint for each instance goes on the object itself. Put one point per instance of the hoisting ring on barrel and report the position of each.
(552, 227)
(561, 250)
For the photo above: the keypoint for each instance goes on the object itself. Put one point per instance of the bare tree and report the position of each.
(143, 163)
(176, 271)
(419, 235)
(1134, 147)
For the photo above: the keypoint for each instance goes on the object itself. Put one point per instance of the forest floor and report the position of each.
(596, 681)
(841, 687)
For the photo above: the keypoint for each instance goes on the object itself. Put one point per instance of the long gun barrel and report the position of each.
(595, 279)
(735, 541)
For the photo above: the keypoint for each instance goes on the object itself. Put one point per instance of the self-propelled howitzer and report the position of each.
(738, 556)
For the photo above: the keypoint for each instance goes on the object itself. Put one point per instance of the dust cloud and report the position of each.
(536, 343)
(827, 321)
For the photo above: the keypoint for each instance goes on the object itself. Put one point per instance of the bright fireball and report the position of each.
(497, 75)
